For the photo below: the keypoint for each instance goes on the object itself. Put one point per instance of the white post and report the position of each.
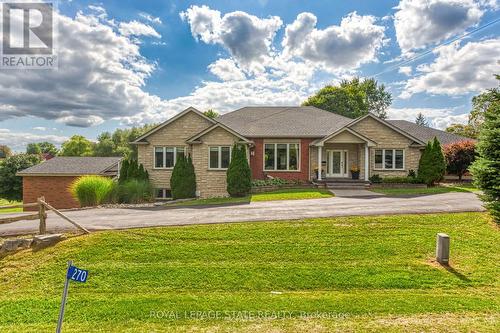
(367, 164)
(320, 159)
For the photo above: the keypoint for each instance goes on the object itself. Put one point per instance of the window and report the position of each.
(163, 193)
(281, 156)
(166, 157)
(219, 157)
(389, 159)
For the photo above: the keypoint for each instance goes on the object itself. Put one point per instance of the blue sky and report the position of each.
(123, 63)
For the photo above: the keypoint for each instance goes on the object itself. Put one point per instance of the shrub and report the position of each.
(376, 179)
(123, 170)
(486, 168)
(273, 182)
(459, 156)
(135, 191)
(11, 186)
(412, 173)
(93, 190)
(239, 175)
(401, 180)
(183, 179)
(432, 164)
(130, 170)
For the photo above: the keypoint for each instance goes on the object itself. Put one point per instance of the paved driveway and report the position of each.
(114, 218)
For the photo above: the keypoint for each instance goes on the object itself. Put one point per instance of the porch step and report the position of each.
(347, 185)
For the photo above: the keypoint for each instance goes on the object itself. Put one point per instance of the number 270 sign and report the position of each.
(77, 274)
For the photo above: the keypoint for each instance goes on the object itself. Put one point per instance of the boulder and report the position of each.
(43, 241)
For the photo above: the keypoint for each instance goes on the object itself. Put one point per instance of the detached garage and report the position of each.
(53, 178)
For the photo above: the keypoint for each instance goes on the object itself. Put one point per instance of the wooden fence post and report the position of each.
(43, 215)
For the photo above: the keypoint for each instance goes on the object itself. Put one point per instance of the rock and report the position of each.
(12, 245)
(43, 241)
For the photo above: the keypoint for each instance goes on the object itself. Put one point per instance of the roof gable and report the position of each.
(196, 137)
(345, 135)
(171, 120)
(387, 124)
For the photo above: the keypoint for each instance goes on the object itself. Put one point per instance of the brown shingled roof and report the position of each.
(425, 133)
(74, 166)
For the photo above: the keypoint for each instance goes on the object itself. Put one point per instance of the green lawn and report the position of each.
(344, 274)
(285, 194)
(5, 202)
(444, 188)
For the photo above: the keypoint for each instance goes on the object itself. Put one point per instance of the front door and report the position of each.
(336, 163)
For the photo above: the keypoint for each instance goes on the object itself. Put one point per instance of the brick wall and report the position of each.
(257, 160)
(55, 189)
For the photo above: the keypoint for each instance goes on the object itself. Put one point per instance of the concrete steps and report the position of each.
(345, 184)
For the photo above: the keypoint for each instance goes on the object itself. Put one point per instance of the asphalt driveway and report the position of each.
(122, 218)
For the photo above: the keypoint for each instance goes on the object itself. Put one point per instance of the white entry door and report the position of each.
(336, 163)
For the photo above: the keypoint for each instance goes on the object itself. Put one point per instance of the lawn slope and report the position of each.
(320, 274)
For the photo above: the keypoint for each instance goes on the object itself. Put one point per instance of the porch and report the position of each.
(340, 156)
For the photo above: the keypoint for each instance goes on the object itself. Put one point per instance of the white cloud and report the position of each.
(355, 42)
(40, 128)
(136, 28)
(458, 70)
(101, 75)
(438, 118)
(150, 18)
(406, 70)
(18, 140)
(226, 70)
(420, 23)
(247, 37)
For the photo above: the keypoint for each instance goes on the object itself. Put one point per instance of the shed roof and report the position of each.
(72, 166)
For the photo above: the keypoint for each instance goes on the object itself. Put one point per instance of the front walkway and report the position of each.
(120, 218)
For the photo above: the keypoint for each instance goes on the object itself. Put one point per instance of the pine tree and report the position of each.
(421, 120)
(123, 171)
(239, 175)
(486, 168)
(439, 160)
(183, 179)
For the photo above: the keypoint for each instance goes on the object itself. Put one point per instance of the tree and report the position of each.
(5, 151)
(480, 104)
(432, 164)
(463, 130)
(353, 98)
(48, 148)
(77, 145)
(183, 179)
(459, 156)
(105, 146)
(11, 186)
(210, 113)
(239, 175)
(421, 120)
(486, 168)
(33, 149)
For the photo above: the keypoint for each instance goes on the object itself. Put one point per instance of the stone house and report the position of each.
(295, 143)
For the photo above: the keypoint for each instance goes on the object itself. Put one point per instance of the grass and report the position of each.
(6, 202)
(443, 188)
(321, 275)
(285, 194)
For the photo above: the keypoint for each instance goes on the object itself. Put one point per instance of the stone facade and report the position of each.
(210, 182)
(387, 138)
(174, 134)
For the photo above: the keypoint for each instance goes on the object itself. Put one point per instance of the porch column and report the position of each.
(320, 159)
(367, 164)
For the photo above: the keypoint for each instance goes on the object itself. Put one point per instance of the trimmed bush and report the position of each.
(432, 164)
(486, 168)
(239, 175)
(93, 190)
(123, 170)
(273, 182)
(183, 179)
(130, 170)
(401, 180)
(376, 179)
(135, 191)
